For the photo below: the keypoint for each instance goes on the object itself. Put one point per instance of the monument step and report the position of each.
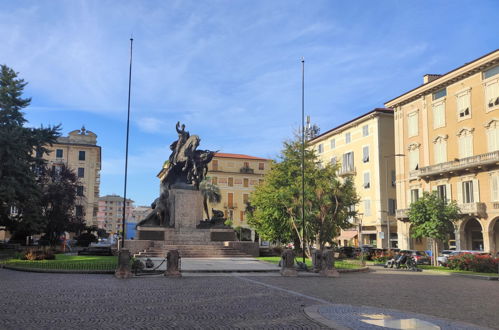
(193, 251)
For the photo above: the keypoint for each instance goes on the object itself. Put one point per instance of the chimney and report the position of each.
(430, 77)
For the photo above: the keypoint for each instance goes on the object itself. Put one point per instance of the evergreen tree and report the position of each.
(276, 205)
(21, 152)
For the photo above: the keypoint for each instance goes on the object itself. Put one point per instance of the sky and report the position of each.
(230, 70)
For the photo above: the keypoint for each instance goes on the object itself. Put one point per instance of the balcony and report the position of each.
(456, 167)
(230, 206)
(402, 214)
(246, 170)
(347, 170)
(474, 209)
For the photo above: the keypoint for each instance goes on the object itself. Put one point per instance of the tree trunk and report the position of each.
(205, 205)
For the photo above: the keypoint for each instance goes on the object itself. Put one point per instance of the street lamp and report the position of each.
(359, 235)
(387, 199)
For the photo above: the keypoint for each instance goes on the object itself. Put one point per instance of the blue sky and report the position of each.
(230, 70)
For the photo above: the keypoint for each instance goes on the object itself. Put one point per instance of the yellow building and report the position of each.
(237, 176)
(449, 129)
(364, 147)
(80, 152)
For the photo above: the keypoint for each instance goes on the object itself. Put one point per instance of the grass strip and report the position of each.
(339, 264)
(447, 270)
(67, 262)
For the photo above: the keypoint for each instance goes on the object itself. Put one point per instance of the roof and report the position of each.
(376, 110)
(237, 156)
(443, 76)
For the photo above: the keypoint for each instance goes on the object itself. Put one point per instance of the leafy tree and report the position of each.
(276, 205)
(60, 196)
(21, 152)
(433, 217)
(211, 193)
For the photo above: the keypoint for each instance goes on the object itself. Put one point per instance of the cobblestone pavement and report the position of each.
(64, 301)
(69, 301)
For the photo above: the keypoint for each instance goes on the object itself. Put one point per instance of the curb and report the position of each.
(57, 271)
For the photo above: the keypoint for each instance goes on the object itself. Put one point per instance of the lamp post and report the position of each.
(387, 199)
(303, 155)
(359, 230)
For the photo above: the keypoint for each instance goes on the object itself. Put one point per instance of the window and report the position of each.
(241, 215)
(260, 181)
(414, 195)
(440, 150)
(79, 210)
(245, 182)
(261, 166)
(394, 178)
(348, 137)
(442, 192)
(494, 185)
(230, 200)
(463, 105)
(320, 148)
(413, 159)
(333, 143)
(58, 153)
(365, 154)
(79, 190)
(493, 136)
(491, 72)
(347, 165)
(467, 191)
(230, 182)
(245, 198)
(81, 155)
(439, 94)
(365, 130)
(392, 206)
(412, 124)
(214, 180)
(367, 180)
(333, 160)
(246, 165)
(367, 207)
(214, 165)
(491, 88)
(81, 172)
(465, 144)
(439, 114)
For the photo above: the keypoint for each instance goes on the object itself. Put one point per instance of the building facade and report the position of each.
(449, 129)
(80, 152)
(363, 149)
(110, 213)
(237, 176)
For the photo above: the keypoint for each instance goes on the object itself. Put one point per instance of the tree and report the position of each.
(21, 159)
(211, 193)
(61, 192)
(276, 205)
(432, 217)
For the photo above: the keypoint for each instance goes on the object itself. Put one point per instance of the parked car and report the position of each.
(346, 251)
(420, 256)
(442, 259)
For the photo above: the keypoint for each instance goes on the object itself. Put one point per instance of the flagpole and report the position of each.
(126, 148)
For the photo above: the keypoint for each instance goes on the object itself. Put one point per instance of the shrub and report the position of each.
(38, 254)
(473, 262)
(379, 259)
(85, 239)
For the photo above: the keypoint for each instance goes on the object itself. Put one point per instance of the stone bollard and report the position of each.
(288, 263)
(327, 268)
(317, 261)
(173, 264)
(123, 271)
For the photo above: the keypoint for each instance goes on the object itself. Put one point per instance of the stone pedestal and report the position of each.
(173, 264)
(288, 263)
(186, 208)
(327, 267)
(124, 270)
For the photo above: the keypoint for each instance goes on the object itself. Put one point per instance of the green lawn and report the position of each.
(340, 264)
(447, 270)
(67, 262)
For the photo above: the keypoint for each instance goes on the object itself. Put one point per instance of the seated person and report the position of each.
(391, 262)
(402, 259)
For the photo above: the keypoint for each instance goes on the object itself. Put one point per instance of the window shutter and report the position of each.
(476, 191)
(448, 192)
(420, 193)
(460, 192)
(408, 198)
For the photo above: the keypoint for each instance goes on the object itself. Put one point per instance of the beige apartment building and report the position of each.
(110, 213)
(80, 152)
(237, 176)
(363, 149)
(449, 129)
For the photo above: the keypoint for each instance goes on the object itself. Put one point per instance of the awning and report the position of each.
(348, 235)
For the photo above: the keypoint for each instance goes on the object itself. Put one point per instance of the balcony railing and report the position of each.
(474, 209)
(230, 206)
(402, 214)
(347, 170)
(490, 158)
(246, 170)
